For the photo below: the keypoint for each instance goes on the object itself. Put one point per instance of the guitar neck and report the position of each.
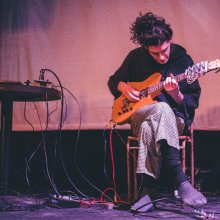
(159, 86)
(191, 74)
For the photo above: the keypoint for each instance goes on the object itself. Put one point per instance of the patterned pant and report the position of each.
(151, 124)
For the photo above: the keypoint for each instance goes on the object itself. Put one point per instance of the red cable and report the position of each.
(113, 174)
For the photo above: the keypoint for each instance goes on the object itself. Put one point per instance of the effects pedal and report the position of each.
(63, 201)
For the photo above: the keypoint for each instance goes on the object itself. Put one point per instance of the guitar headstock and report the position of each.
(200, 69)
(214, 65)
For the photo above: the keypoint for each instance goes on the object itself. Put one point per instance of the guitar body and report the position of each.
(123, 109)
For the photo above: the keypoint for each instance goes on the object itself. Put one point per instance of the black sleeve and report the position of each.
(122, 74)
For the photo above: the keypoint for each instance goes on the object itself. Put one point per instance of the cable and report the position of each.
(61, 122)
(113, 160)
(117, 197)
(42, 72)
(44, 147)
(26, 117)
(104, 155)
(42, 142)
(81, 193)
(44, 83)
(41, 78)
(76, 147)
(27, 160)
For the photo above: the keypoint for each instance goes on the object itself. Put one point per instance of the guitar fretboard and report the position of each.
(191, 74)
(159, 86)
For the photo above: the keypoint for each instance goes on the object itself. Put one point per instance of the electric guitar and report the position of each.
(123, 109)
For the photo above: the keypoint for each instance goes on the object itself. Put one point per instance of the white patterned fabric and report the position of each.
(151, 124)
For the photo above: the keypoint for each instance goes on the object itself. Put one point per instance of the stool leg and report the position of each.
(128, 172)
(192, 163)
(192, 156)
(184, 155)
(135, 176)
(183, 163)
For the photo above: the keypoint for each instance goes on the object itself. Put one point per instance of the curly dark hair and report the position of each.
(150, 30)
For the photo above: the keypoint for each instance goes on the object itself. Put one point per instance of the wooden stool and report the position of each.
(132, 151)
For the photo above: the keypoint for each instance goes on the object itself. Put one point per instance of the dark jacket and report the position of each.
(139, 65)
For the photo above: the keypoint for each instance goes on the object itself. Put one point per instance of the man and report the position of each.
(159, 125)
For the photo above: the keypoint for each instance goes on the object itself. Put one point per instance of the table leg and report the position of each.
(6, 134)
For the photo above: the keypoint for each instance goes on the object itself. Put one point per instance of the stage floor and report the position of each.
(23, 208)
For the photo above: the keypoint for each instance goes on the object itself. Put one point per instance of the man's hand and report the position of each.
(171, 86)
(130, 93)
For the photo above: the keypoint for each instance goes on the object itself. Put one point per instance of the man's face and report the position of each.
(161, 52)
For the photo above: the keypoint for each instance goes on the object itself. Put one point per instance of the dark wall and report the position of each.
(72, 161)
(207, 160)
(53, 159)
